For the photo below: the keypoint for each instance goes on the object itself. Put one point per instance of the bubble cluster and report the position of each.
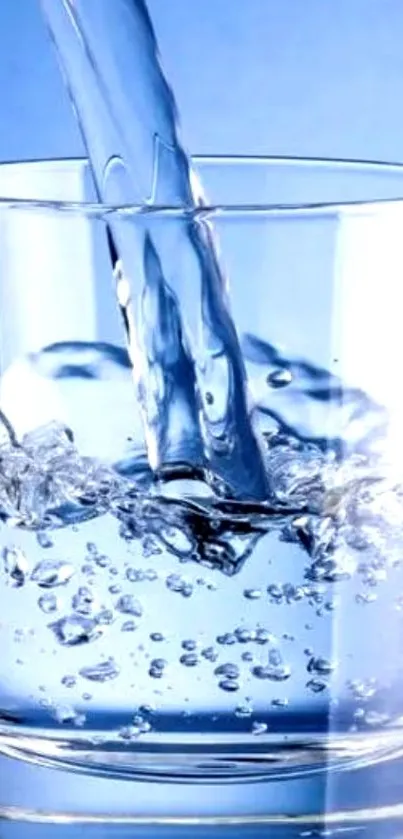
(338, 523)
(178, 584)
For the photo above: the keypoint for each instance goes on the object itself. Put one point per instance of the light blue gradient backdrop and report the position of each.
(263, 76)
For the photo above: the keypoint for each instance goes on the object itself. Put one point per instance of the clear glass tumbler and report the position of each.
(154, 626)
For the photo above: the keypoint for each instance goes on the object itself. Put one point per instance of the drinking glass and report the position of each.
(154, 627)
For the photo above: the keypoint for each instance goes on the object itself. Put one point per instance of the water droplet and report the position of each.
(75, 630)
(280, 702)
(51, 573)
(15, 566)
(252, 593)
(209, 398)
(43, 539)
(103, 671)
(229, 685)
(189, 659)
(129, 605)
(157, 636)
(259, 728)
(279, 378)
(115, 589)
(48, 603)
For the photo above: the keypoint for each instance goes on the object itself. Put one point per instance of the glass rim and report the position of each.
(99, 210)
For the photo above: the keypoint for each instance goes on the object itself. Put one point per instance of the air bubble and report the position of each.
(316, 685)
(48, 603)
(189, 644)
(244, 635)
(210, 654)
(229, 685)
(189, 659)
(44, 540)
(279, 378)
(230, 670)
(321, 666)
(51, 573)
(129, 626)
(129, 605)
(69, 681)
(243, 711)
(226, 640)
(75, 630)
(15, 566)
(83, 601)
(101, 672)
(259, 728)
(253, 593)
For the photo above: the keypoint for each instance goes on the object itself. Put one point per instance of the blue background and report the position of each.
(263, 76)
(314, 77)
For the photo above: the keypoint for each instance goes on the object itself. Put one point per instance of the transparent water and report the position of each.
(182, 340)
(135, 609)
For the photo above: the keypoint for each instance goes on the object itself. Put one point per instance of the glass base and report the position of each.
(201, 759)
(36, 801)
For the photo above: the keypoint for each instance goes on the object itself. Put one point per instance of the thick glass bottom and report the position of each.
(201, 758)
